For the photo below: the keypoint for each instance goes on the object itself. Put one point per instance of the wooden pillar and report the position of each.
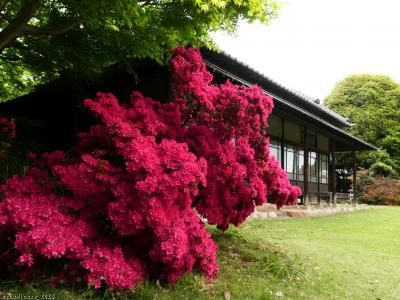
(354, 202)
(318, 180)
(332, 174)
(306, 171)
(283, 162)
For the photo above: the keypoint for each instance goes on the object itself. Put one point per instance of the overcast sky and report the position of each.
(315, 43)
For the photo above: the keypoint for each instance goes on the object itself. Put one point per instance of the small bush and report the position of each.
(382, 169)
(382, 191)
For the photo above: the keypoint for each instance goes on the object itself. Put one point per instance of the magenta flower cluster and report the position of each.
(124, 204)
(227, 125)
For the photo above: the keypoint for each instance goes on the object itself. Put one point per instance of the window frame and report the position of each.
(318, 172)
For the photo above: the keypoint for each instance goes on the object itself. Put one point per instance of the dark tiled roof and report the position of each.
(229, 63)
(292, 99)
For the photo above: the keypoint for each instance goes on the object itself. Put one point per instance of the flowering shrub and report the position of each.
(226, 124)
(7, 134)
(124, 202)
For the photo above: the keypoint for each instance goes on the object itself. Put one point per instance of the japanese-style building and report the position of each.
(305, 135)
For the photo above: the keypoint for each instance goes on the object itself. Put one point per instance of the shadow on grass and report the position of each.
(247, 267)
(267, 258)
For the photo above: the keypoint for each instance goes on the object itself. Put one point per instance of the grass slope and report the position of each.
(352, 256)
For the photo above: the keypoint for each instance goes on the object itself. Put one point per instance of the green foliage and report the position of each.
(381, 169)
(83, 37)
(392, 144)
(379, 163)
(372, 104)
(370, 157)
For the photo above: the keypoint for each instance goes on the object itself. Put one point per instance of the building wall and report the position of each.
(49, 118)
(287, 145)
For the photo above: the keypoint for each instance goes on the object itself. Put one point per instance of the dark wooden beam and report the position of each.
(354, 202)
(332, 174)
(283, 162)
(306, 171)
(318, 177)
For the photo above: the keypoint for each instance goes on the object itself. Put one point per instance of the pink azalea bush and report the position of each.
(226, 124)
(124, 204)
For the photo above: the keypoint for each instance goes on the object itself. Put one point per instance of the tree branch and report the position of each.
(17, 45)
(14, 28)
(4, 17)
(35, 30)
(147, 2)
(2, 4)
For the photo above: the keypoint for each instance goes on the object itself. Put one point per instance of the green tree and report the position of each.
(372, 104)
(39, 39)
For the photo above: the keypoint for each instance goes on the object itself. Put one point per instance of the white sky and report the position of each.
(315, 43)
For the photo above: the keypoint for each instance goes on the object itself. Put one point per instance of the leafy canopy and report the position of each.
(39, 39)
(372, 103)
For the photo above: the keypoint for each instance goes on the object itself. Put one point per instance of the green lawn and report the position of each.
(351, 256)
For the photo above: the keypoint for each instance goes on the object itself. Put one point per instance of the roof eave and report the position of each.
(338, 118)
(364, 145)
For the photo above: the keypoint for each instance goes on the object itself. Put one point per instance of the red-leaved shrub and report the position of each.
(124, 203)
(381, 191)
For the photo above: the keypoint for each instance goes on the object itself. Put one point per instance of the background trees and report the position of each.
(372, 103)
(39, 39)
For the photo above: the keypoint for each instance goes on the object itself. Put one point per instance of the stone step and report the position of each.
(268, 211)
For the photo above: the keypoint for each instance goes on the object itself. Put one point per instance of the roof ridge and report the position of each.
(293, 91)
